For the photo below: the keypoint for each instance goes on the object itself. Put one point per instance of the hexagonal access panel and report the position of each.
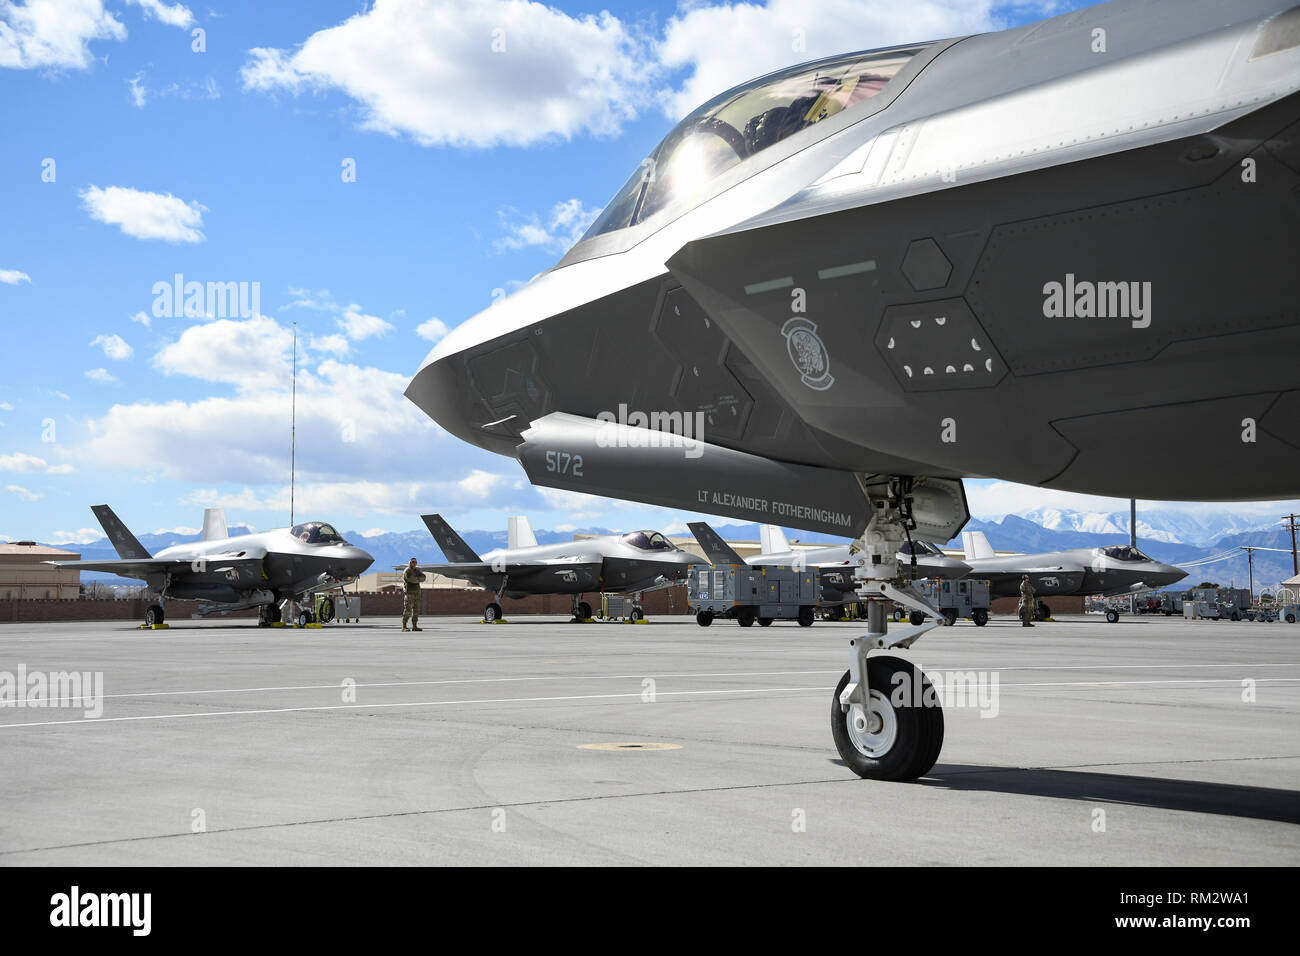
(925, 265)
(706, 384)
(934, 346)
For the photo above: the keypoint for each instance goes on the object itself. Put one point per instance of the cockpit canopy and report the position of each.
(1123, 553)
(744, 121)
(920, 548)
(316, 532)
(648, 541)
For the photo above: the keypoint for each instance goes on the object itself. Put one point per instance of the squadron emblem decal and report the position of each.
(808, 354)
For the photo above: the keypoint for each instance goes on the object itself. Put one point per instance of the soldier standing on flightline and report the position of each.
(1027, 603)
(411, 578)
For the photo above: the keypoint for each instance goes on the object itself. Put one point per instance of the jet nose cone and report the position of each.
(1170, 575)
(356, 560)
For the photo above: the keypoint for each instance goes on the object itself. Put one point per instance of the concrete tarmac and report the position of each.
(1152, 741)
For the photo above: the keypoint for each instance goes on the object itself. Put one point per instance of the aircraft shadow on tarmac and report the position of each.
(1192, 796)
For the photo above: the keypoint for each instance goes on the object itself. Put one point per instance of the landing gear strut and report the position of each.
(886, 720)
(493, 611)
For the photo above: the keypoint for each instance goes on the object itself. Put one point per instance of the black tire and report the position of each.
(980, 616)
(327, 610)
(806, 616)
(898, 614)
(916, 617)
(765, 622)
(746, 616)
(304, 618)
(492, 612)
(584, 610)
(1043, 612)
(918, 727)
(637, 614)
(1290, 618)
(703, 618)
(154, 614)
(273, 615)
(950, 615)
(1112, 616)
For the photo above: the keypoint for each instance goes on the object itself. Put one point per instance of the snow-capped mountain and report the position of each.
(1168, 526)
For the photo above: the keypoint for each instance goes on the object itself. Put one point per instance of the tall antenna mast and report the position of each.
(293, 423)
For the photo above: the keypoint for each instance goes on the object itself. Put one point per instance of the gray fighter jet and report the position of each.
(629, 563)
(261, 570)
(872, 275)
(1114, 569)
(835, 563)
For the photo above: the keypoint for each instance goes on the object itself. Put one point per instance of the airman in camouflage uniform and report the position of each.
(1028, 603)
(411, 579)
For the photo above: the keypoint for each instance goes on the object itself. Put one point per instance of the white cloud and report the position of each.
(336, 344)
(139, 95)
(13, 276)
(373, 532)
(181, 529)
(719, 46)
(80, 536)
(23, 493)
(556, 232)
(31, 464)
(479, 483)
(6, 407)
(144, 318)
(254, 353)
(405, 61)
(145, 215)
(432, 329)
(325, 498)
(101, 376)
(357, 325)
(353, 422)
(174, 15)
(114, 346)
(54, 33)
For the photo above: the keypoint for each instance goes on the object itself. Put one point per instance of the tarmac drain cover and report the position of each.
(630, 746)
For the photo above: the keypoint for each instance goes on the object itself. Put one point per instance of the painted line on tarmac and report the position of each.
(87, 721)
(642, 676)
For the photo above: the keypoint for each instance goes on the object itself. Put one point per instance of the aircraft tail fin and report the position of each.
(715, 549)
(124, 542)
(773, 539)
(455, 549)
(214, 524)
(976, 545)
(520, 534)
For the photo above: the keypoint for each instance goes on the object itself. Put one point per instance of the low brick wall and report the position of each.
(1060, 604)
(433, 602)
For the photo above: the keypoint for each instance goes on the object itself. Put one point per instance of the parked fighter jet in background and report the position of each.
(836, 562)
(1115, 569)
(617, 563)
(261, 570)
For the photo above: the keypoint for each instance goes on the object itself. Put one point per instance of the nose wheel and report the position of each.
(897, 733)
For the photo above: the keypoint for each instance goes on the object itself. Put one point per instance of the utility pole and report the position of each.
(1291, 525)
(1132, 543)
(1250, 563)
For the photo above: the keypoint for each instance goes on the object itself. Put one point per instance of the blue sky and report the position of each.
(484, 136)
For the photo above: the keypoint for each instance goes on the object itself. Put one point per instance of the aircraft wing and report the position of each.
(482, 571)
(142, 568)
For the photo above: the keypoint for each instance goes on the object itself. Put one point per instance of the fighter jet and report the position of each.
(617, 563)
(1114, 569)
(836, 563)
(874, 274)
(261, 570)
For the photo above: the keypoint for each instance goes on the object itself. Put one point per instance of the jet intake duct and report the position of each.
(638, 464)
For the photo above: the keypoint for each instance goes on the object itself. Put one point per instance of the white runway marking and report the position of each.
(572, 697)
(659, 676)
